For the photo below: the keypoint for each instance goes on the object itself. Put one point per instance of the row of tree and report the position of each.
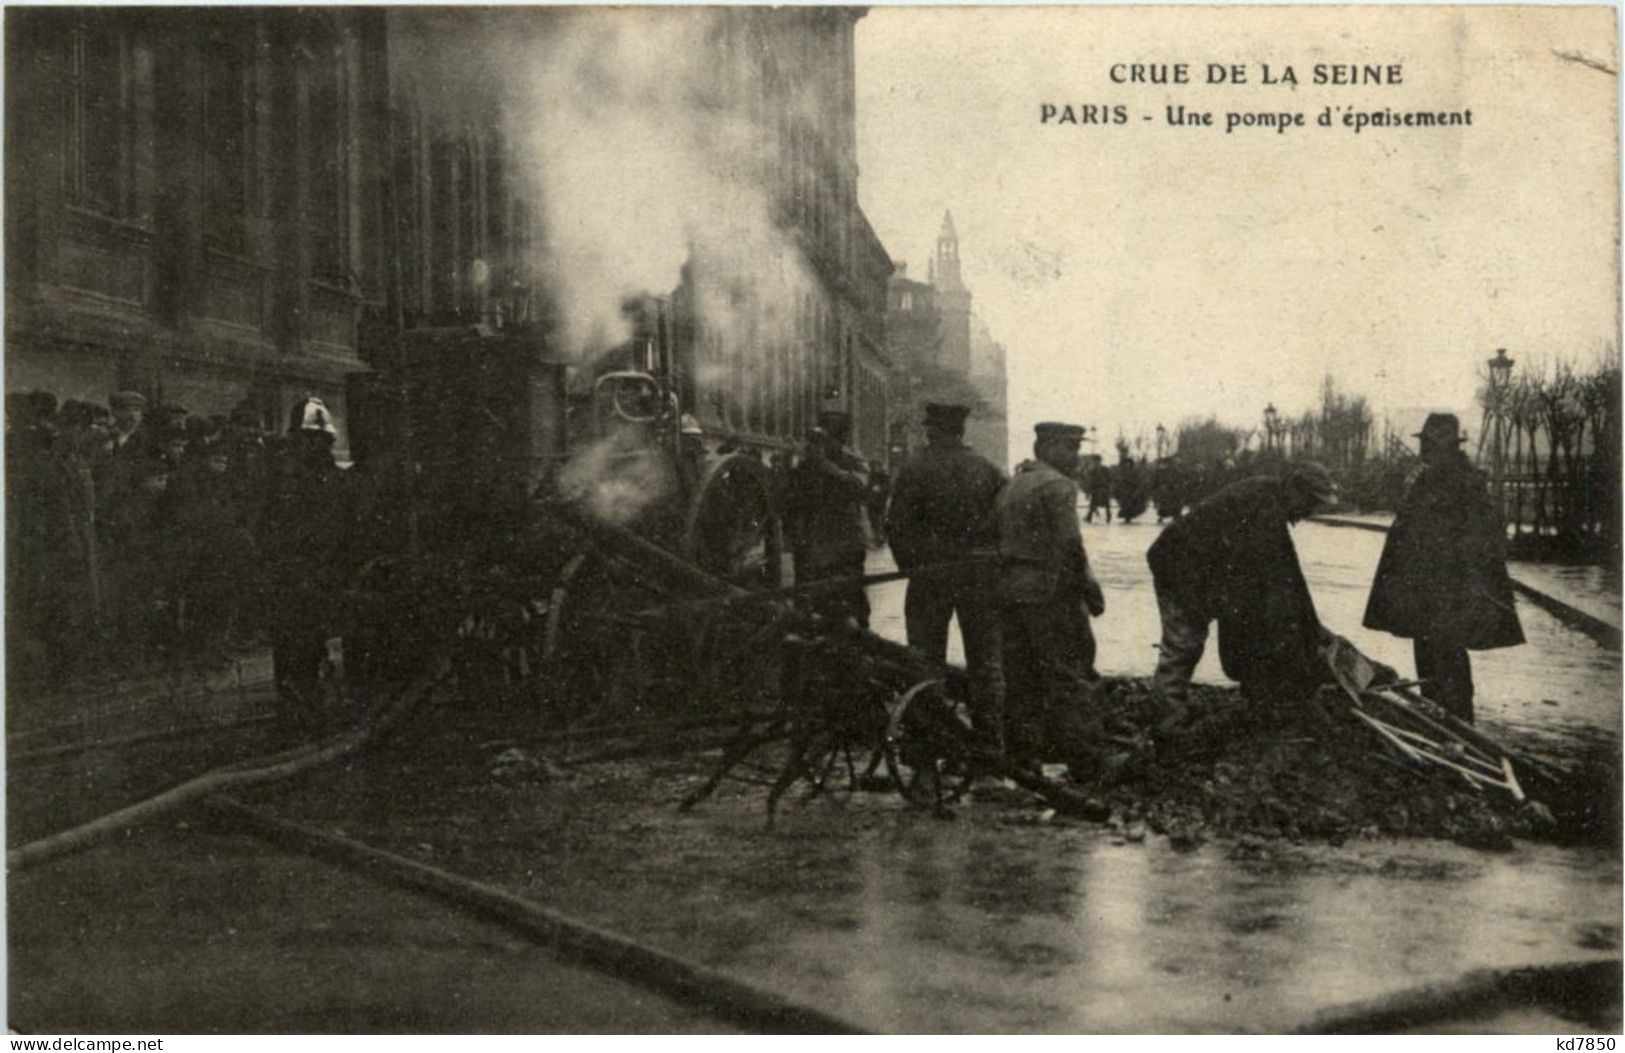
(1550, 439)
(1340, 433)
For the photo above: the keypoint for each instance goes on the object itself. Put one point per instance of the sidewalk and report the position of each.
(116, 707)
(1581, 596)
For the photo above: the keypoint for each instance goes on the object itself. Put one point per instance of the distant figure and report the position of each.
(1169, 488)
(1047, 596)
(880, 491)
(1231, 559)
(1442, 579)
(942, 512)
(1128, 486)
(1097, 483)
(824, 510)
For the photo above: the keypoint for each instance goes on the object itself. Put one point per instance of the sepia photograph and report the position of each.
(992, 520)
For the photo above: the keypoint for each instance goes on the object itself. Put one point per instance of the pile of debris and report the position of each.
(1308, 771)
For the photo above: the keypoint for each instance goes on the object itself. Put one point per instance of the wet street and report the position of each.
(1001, 920)
(1007, 921)
(1557, 692)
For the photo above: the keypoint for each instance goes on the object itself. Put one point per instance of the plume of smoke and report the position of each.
(638, 150)
(617, 479)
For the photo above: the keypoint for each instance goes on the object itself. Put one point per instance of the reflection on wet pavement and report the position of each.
(1557, 692)
(1001, 922)
(995, 924)
(1059, 929)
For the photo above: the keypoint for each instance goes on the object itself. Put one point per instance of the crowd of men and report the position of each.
(139, 535)
(1007, 558)
(143, 537)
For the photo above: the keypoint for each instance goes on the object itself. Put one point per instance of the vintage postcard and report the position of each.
(999, 520)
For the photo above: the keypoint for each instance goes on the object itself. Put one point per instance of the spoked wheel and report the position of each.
(733, 528)
(925, 747)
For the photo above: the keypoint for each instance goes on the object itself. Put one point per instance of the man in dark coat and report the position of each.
(1047, 596)
(218, 548)
(1097, 482)
(824, 510)
(1442, 578)
(301, 534)
(83, 430)
(1128, 485)
(942, 513)
(1231, 559)
(1169, 488)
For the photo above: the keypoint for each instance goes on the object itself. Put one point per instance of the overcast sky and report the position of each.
(1140, 273)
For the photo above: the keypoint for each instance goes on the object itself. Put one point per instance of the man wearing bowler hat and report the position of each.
(1442, 579)
(1047, 596)
(942, 515)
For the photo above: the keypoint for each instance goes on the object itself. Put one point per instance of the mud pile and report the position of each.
(1309, 770)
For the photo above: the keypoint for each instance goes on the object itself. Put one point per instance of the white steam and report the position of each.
(640, 141)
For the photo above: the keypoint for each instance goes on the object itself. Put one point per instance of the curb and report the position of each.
(1604, 633)
(1580, 988)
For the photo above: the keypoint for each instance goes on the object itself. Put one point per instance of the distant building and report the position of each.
(988, 429)
(941, 352)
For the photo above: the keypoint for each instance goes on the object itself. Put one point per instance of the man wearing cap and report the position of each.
(942, 514)
(1231, 559)
(1047, 595)
(824, 508)
(1442, 579)
(129, 408)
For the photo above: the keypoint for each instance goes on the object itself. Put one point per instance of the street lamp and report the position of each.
(1500, 376)
(1501, 369)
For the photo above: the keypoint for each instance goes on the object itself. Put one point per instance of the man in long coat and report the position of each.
(1442, 578)
(302, 534)
(1047, 596)
(942, 513)
(824, 503)
(1231, 559)
(1097, 482)
(1128, 485)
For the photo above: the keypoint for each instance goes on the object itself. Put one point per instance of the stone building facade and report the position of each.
(250, 201)
(813, 332)
(193, 202)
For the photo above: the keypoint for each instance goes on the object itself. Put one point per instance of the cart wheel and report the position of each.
(732, 529)
(925, 746)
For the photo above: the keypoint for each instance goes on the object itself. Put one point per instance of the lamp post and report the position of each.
(1494, 428)
(1272, 426)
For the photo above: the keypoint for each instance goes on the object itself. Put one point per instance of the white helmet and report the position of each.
(311, 414)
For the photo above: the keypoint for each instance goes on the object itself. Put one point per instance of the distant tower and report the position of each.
(953, 301)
